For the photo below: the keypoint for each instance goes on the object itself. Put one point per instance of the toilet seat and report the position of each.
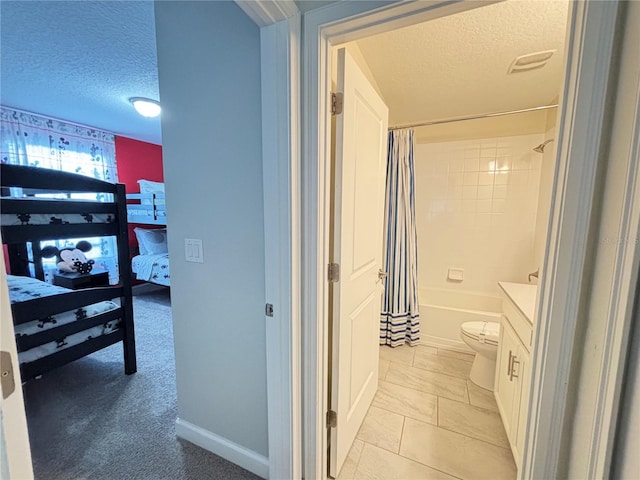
(482, 332)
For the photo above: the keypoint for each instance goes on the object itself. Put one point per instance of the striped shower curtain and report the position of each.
(400, 318)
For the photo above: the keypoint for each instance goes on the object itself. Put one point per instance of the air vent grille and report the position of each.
(530, 61)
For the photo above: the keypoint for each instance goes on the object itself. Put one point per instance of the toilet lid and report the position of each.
(484, 332)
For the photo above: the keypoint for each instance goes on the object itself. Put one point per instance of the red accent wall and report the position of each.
(138, 160)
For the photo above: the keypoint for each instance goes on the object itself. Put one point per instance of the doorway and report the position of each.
(473, 195)
(558, 295)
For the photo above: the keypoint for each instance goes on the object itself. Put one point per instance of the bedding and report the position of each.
(156, 188)
(26, 288)
(151, 241)
(142, 212)
(152, 268)
(53, 219)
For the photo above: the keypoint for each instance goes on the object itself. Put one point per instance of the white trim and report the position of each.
(280, 159)
(581, 124)
(247, 459)
(321, 28)
(581, 127)
(617, 338)
(445, 344)
(268, 12)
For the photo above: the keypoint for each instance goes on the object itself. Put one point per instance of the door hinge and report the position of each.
(336, 103)
(268, 310)
(333, 272)
(332, 419)
(6, 379)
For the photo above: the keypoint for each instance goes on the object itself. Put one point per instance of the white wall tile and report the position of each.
(476, 211)
(470, 178)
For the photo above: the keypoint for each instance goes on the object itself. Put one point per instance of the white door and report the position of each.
(360, 168)
(15, 453)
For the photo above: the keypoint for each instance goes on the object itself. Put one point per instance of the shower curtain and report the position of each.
(400, 318)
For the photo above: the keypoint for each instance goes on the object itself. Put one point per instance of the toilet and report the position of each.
(482, 337)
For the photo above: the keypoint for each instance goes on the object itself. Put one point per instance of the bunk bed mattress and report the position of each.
(26, 288)
(12, 219)
(138, 211)
(152, 268)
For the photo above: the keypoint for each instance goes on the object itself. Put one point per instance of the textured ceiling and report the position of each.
(80, 61)
(457, 65)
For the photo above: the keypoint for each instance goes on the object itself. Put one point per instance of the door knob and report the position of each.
(382, 274)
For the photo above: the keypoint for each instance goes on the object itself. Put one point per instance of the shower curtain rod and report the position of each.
(473, 117)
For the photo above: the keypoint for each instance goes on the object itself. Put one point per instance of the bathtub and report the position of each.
(442, 312)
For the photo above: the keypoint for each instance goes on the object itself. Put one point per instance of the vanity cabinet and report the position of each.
(512, 382)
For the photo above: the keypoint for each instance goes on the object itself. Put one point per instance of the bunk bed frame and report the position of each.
(17, 239)
(146, 208)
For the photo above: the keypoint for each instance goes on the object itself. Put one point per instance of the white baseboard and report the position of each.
(247, 459)
(445, 343)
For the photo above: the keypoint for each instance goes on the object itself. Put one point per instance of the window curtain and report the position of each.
(36, 141)
(400, 317)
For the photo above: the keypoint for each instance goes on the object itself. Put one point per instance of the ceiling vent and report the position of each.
(530, 61)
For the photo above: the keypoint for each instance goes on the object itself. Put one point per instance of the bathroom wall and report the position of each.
(546, 186)
(476, 204)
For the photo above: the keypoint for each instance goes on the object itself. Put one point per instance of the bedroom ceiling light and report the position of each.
(145, 106)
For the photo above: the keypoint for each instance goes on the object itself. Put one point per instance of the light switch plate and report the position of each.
(193, 250)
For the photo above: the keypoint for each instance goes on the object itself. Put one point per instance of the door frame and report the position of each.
(582, 125)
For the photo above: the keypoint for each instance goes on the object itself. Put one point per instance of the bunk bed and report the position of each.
(151, 263)
(56, 325)
(146, 208)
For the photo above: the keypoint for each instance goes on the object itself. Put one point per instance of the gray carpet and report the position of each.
(88, 420)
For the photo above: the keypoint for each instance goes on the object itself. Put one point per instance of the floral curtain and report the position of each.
(36, 141)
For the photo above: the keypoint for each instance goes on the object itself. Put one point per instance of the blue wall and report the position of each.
(209, 73)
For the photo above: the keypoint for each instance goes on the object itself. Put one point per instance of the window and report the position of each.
(32, 140)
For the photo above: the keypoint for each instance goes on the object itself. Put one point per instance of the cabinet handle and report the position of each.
(514, 362)
(509, 365)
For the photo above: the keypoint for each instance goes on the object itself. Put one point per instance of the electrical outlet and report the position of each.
(193, 250)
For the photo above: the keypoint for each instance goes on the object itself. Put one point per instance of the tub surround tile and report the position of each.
(383, 366)
(403, 354)
(481, 397)
(378, 464)
(428, 381)
(407, 401)
(350, 465)
(455, 454)
(442, 364)
(382, 428)
(471, 421)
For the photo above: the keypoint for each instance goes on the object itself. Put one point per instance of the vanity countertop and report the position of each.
(523, 296)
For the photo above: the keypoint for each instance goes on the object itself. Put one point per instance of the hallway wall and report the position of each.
(209, 72)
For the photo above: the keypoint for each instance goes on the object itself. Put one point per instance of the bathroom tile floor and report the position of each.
(428, 421)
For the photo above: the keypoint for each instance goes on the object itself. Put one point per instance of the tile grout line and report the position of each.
(432, 371)
(405, 385)
(355, 470)
(472, 438)
(404, 420)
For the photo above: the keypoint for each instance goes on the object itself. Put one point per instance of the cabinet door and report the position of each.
(506, 385)
(523, 371)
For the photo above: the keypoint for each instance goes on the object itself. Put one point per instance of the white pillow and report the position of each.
(148, 186)
(152, 241)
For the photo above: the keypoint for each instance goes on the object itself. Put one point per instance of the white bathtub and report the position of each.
(442, 312)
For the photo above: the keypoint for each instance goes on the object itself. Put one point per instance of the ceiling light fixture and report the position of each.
(145, 106)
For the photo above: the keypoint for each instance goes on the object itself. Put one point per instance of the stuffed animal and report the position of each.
(71, 260)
